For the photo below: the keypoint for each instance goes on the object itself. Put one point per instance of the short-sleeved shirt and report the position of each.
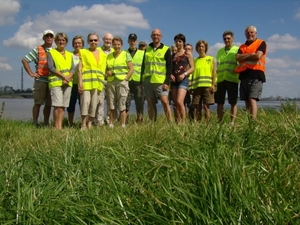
(32, 56)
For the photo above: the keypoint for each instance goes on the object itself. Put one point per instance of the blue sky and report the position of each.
(23, 21)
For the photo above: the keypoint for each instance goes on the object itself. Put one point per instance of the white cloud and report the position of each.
(137, 1)
(4, 65)
(113, 18)
(285, 42)
(297, 16)
(8, 10)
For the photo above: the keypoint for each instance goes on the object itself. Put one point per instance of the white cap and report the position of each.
(48, 32)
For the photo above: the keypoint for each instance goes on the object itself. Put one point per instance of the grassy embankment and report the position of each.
(153, 174)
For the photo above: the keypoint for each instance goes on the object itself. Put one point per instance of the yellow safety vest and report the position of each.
(92, 72)
(137, 61)
(117, 65)
(226, 65)
(155, 64)
(63, 65)
(202, 75)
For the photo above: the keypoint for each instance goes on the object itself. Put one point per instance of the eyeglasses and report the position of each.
(93, 40)
(226, 39)
(49, 35)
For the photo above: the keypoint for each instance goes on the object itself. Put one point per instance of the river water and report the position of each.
(21, 108)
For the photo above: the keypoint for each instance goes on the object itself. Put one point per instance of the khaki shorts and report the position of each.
(117, 92)
(203, 95)
(88, 102)
(41, 93)
(60, 96)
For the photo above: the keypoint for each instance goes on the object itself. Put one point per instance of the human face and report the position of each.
(250, 34)
(142, 47)
(48, 39)
(174, 50)
(117, 46)
(77, 44)
(156, 36)
(201, 49)
(93, 41)
(107, 41)
(179, 44)
(228, 39)
(61, 42)
(132, 43)
(189, 48)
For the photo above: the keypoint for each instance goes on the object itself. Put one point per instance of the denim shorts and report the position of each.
(184, 84)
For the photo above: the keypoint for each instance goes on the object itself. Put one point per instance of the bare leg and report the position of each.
(220, 112)
(46, 111)
(233, 112)
(253, 108)
(123, 116)
(83, 121)
(58, 113)
(199, 112)
(152, 110)
(207, 113)
(165, 102)
(35, 113)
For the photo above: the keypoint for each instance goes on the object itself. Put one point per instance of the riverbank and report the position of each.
(153, 173)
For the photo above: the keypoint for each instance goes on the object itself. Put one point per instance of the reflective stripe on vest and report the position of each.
(226, 65)
(253, 65)
(63, 65)
(137, 61)
(92, 72)
(202, 75)
(155, 64)
(42, 67)
(117, 65)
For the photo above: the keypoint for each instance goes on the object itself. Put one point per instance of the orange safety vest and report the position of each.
(42, 67)
(253, 65)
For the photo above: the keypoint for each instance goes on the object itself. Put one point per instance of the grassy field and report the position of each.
(153, 173)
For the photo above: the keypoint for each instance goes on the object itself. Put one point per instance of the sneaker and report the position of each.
(111, 126)
(123, 125)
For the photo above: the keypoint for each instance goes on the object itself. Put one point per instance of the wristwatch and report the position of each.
(185, 74)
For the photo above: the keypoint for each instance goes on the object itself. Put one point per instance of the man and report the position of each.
(156, 72)
(134, 83)
(252, 66)
(107, 49)
(142, 45)
(41, 93)
(227, 78)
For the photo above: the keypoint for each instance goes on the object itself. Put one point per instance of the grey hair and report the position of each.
(253, 27)
(92, 33)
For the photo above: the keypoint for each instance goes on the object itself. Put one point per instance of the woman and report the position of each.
(119, 70)
(183, 66)
(91, 70)
(204, 80)
(77, 43)
(60, 64)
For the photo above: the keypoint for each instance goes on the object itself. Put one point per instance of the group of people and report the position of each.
(143, 72)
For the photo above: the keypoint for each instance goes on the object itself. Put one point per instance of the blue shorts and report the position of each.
(184, 84)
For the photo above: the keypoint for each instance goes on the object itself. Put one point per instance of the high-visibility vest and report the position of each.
(92, 72)
(155, 64)
(202, 75)
(42, 67)
(63, 65)
(226, 65)
(117, 65)
(253, 65)
(137, 61)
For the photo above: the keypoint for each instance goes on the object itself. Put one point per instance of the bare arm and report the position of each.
(191, 63)
(130, 72)
(249, 56)
(28, 69)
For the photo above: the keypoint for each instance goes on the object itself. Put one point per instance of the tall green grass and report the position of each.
(153, 173)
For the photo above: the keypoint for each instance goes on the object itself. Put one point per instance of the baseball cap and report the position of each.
(132, 36)
(142, 43)
(48, 32)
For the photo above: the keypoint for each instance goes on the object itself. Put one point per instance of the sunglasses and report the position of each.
(93, 40)
(49, 35)
(226, 39)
